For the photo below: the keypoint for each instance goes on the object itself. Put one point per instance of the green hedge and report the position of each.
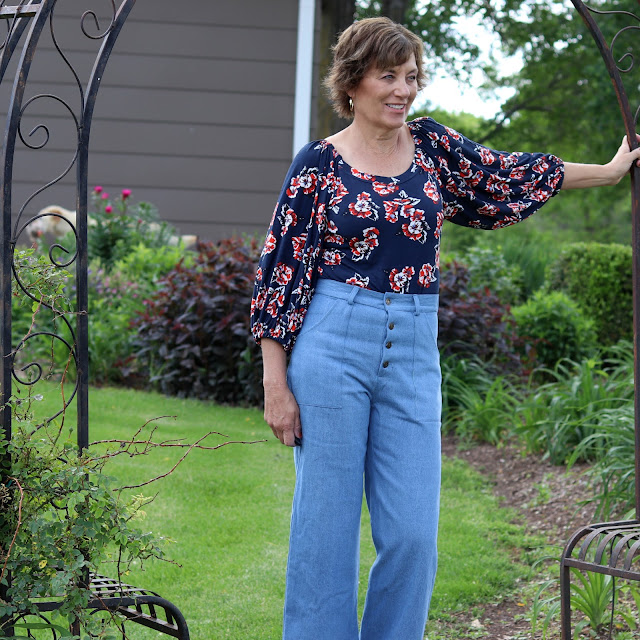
(555, 327)
(598, 277)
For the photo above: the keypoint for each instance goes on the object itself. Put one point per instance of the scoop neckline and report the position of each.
(370, 177)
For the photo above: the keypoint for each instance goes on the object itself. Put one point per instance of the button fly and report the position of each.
(388, 345)
(385, 364)
(387, 300)
(392, 326)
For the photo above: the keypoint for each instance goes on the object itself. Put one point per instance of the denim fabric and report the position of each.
(365, 372)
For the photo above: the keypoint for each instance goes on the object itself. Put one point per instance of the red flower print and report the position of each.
(358, 281)
(391, 211)
(261, 298)
(400, 280)
(444, 141)
(416, 230)
(363, 176)
(364, 207)
(517, 207)
(427, 275)
(362, 249)
(508, 161)
(451, 209)
(423, 161)
(295, 320)
(433, 136)
(431, 191)
(486, 157)
(453, 187)
(384, 188)
(518, 173)
(507, 221)
(277, 301)
(298, 243)
(287, 218)
(539, 195)
(541, 165)
(332, 257)
(283, 273)
(259, 274)
(454, 134)
(306, 180)
(497, 184)
(488, 209)
(332, 234)
(557, 176)
(269, 244)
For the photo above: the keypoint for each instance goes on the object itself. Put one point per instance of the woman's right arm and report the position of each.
(281, 410)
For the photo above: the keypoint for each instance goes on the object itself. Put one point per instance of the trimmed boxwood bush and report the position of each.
(193, 335)
(554, 326)
(598, 277)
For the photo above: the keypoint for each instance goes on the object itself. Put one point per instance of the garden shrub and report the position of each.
(118, 226)
(193, 336)
(555, 327)
(475, 323)
(489, 270)
(115, 298)
(598, 277)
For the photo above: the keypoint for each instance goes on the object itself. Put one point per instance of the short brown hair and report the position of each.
(373, 42)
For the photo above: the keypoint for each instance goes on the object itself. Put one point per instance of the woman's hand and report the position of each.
(281, 410)
(582, 176)
(622, 161)
(281, 413)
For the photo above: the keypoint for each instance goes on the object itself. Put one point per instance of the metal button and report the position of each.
(385, 364)
(391, 326)
(388, 345)
(387, 300)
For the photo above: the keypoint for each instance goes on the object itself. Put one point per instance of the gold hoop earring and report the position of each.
(351, 105)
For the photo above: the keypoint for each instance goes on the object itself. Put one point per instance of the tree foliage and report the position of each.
(563, 101)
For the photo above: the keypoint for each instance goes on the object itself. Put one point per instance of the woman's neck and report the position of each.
(384, 153)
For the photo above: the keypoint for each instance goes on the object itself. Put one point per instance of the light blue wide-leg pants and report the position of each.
(365, 371)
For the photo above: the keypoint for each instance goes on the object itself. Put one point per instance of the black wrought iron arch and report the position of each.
(612, 548)
(26, 21)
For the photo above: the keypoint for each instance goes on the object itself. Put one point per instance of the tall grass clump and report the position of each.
(476, 405)
(562, 418)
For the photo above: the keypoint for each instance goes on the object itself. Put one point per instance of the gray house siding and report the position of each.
(194, 114)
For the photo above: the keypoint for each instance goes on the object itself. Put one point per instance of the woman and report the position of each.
(352, 251)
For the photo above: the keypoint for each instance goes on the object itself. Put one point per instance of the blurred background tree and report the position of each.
(562, 100)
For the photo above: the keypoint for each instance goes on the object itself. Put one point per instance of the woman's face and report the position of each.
(384, 96)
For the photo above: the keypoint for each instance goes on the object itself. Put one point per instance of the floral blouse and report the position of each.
(380, 233)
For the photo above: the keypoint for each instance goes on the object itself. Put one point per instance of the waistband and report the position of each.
(398, 301)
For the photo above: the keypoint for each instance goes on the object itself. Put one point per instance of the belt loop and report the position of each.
(353, 294)
(416, 302)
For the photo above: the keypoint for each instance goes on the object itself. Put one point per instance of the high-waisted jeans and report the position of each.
(365, 372)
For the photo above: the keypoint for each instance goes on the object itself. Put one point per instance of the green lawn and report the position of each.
(228, 514)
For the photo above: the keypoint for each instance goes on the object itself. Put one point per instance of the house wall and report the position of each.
(194, 113)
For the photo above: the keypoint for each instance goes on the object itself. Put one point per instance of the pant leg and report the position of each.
(402, 480)
(321, 597)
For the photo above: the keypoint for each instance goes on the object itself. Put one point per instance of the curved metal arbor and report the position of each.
(27, 21)
(612, 548)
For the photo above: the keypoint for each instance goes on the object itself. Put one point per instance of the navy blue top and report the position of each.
(380, 233)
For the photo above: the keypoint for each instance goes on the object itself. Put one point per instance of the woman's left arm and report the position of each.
(583, 176)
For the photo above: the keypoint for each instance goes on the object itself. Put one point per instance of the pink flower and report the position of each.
(105, 196)
(126, 193)
(108, 209)
(97, 189)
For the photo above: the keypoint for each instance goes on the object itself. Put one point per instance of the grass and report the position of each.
(228, 513)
